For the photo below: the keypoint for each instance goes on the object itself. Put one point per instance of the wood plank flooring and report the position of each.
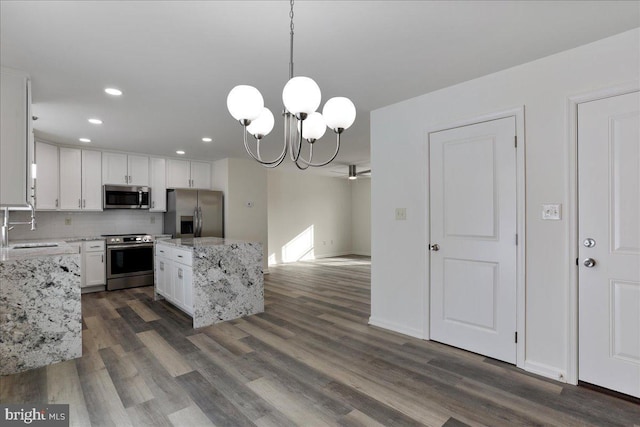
(310, 359)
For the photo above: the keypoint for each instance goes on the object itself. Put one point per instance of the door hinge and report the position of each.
(577, 261)
(515, 141)
(516, 239)
(516, 337)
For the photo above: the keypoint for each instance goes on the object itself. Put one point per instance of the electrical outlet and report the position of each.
(551, 212)
(67, 221)
(401, 214)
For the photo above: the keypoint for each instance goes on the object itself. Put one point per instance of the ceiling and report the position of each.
(176, 61)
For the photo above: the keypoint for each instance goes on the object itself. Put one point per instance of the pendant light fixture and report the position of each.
(301, 97)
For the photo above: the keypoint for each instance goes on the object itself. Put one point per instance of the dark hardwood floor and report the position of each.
(310, 359)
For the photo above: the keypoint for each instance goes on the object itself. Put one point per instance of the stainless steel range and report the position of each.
(129, 260)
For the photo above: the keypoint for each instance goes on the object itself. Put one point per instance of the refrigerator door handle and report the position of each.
(195, 222)
(199, 221)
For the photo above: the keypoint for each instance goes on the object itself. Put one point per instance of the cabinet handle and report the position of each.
(130, 180)
(161, 266)
(179, 273)
(102, 258)
(92, 247)
(79, 203)
(84, 203)
(153, 203)
(126, 179)
(56, 203)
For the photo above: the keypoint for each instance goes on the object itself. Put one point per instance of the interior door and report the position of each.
(473, 237)
(609, 233)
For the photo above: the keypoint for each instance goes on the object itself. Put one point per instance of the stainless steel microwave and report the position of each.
(126, 197)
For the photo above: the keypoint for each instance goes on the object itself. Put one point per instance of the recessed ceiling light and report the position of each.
(206, 139)
(95, 121)
(84, 140)
(180, 152)
(113, 91)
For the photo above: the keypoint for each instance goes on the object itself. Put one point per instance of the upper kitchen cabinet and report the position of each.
(188, 174)
(16, 138)
(125, 169)
(46, 158)
(80, 179)
(158, 181)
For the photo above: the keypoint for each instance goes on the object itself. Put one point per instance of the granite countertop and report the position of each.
(199, 242)
(12, 254)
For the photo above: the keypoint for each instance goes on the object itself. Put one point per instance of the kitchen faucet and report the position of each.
(6, 224)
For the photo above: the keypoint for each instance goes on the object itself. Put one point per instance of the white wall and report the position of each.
(309, 216)
(361, 216)
(52, 224)
(243, 181)
(398, 147)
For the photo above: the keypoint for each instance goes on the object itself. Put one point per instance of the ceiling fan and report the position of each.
(353, 171)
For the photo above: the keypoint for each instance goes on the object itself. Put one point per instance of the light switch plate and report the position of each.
(401, 214)
(552, 212)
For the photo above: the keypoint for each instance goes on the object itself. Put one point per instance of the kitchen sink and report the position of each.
(33, 245)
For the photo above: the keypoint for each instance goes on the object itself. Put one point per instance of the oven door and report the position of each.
(129, 260)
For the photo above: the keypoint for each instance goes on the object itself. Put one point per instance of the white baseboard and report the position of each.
(545, 370)
(360, 253)
(332, 254)
(395, 327)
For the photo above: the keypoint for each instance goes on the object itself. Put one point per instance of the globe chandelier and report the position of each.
(301, 97)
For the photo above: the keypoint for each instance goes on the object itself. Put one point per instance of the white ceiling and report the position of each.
(177, 60)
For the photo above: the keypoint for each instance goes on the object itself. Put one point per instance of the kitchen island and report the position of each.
(40, 312)
(211, 279)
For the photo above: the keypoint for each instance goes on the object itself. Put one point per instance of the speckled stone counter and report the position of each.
(228, 281)
(40, 314)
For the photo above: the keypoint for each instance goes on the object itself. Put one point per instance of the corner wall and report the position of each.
(361, 216)
(399, 158)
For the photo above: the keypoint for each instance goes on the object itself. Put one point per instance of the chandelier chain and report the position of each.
(291, 42)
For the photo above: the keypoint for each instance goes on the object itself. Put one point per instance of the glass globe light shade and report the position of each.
(261, 126)
(301, 95)
(245, 102)
(313, 127)
(339, 112)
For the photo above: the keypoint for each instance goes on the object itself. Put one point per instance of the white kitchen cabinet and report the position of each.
(80, 179)
(93, 267)
(15, 137)
(201, 175)
(125, 169)
(188, 174)
(46, 158)
(70, 179)
(91, 180)
(158, 183)
(174, 276)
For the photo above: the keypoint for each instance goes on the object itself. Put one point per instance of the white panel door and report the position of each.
(70, 179)
(609, 215)
(473, 223)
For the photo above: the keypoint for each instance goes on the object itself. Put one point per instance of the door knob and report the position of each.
(589, 262)
(435, 247)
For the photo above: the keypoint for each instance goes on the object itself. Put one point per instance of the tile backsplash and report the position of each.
(79, 224)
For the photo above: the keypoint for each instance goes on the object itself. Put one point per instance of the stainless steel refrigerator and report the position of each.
(194, 213)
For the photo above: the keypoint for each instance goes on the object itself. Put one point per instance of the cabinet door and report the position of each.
(161, 277)
(114, 169)
(138, 170)
(94, 268)
(178, 173)
(158, 183)
(46, 176)
(91, 180)
(179, 284)
(201, 175)
(70, 179)
(14, 138)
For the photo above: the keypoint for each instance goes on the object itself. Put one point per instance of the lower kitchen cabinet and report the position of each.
(93, 267)
(174, 277)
